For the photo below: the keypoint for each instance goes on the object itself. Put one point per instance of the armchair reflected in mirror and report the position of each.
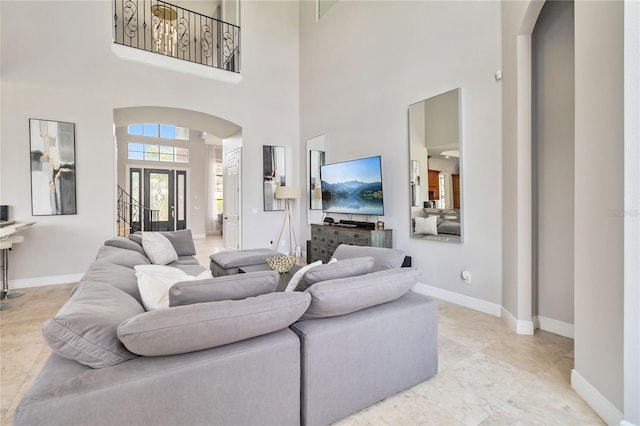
(435, 168)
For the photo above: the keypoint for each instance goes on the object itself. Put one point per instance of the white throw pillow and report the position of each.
(298, 275)
(154, 282)
(426, 225)
(158, 248)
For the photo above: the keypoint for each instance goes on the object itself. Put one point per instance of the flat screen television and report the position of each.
(353, 187)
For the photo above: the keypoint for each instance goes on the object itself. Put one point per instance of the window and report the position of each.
(149, 152)
(165, 131)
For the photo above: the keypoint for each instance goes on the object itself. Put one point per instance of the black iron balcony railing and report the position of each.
(166, 29)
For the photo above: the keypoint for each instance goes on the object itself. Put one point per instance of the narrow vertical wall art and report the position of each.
(53, 167)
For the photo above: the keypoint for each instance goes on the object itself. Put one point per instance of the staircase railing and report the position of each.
(133, 216)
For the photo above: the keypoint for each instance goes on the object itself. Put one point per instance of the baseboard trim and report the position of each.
(458, 299)
(519, 326)
(199, 236)
(554, 326)
(44, 281)
(601, 405)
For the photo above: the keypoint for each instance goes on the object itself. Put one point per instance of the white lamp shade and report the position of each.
(288, 192)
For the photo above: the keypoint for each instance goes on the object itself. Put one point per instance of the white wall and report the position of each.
(362, 65)
(61, 67)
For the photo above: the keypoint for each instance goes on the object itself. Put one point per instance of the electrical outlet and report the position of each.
(466, 276)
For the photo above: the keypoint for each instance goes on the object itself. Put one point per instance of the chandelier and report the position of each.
(165, 34)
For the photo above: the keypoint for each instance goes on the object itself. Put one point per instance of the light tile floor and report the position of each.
(487, 374)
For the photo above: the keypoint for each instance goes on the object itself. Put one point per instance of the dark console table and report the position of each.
(326, 238)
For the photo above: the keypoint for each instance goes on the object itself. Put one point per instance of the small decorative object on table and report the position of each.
(281, 264)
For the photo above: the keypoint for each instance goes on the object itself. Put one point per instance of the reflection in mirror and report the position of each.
(316, 156)
(415, 184)
(316, 159)
(273, 175)
(435, 172)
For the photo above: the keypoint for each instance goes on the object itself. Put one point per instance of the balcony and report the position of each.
(169, 30)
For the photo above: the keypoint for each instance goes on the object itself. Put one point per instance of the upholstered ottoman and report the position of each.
(228, 262)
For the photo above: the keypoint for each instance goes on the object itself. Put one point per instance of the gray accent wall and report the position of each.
(553, 158)
(599, 171)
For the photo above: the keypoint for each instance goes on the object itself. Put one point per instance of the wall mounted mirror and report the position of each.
(316, 155)
(435, 148)
(273, 175)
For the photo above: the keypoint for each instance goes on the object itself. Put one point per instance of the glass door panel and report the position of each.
(181, 204)
(159, 196)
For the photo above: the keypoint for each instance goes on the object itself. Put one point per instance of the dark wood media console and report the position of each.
(326, 238)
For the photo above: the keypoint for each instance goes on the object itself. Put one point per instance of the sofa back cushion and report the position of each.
(383, 258)
(346, 295)
(118, 276)
(85, 328)
(181, 240)
(122, 257)
(330, 271)
(183, 329)
(125, 243)
(227, 287)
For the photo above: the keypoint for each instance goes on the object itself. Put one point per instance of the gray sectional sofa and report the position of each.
(230, 350)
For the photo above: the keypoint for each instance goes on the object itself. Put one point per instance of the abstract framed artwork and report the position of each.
(273, 172)
(53, 167)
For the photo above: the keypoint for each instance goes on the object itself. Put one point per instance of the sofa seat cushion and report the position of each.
(154, 282)
(229, 287)
(383, 258)
(346, 295)
(121, 277)
(85, 328)
(122, 257)
(183, 329)
(334, 270)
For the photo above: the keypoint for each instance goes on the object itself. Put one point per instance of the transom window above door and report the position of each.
(155, 130)
(150, 152)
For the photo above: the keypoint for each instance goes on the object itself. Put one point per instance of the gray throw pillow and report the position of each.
(346, 295)
(228, 287)
(125, 243)
(383, 258)
(85, 328)
(201, 326)
(330, 271)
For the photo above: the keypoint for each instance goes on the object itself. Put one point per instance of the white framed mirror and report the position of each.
(316, 152)
(435, 165)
